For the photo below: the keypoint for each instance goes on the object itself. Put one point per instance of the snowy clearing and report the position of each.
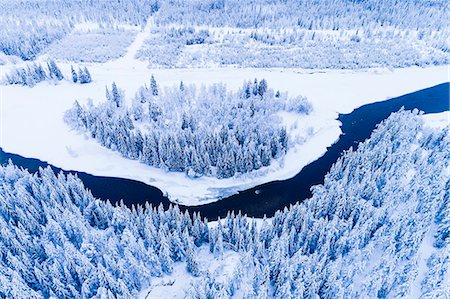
(178, 283)
(32, 118)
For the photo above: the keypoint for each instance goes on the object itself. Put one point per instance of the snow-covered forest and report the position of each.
(325, 34)
(29, 28)
(321, 14)
(378, 227)
(212, 131)
(294, 47)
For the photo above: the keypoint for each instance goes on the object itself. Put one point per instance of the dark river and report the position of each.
(265, 199)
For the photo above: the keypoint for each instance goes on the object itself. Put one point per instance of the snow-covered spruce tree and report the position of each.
(116, 95)
(154, 86)
(213, 132)
(84, 76)
(54, 71)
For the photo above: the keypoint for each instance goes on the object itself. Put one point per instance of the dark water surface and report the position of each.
(265, 199)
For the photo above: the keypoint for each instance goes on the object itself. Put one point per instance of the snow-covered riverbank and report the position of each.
(32, 118)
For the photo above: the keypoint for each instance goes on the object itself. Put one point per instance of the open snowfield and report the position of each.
(31, 119)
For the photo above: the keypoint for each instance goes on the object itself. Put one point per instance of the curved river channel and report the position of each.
(265, 199)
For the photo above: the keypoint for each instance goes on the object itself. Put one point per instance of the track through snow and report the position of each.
(33, 124)
(128, 60)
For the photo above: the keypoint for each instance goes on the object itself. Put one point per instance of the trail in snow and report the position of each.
(128, 60)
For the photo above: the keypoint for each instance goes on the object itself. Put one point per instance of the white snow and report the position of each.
(437, 120)
(32, 123)
(178, 283)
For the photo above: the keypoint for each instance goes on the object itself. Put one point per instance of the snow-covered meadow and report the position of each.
(92, 44)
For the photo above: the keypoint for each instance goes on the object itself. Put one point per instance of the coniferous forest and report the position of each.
(326, 34)
(362, 234)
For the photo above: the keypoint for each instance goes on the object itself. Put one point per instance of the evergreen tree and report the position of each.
(191, 262)
(262, 88)
(255, 87)
(181, 86)
(154, 86)
(108, 94)
(218, 247)
(87, 75)
(54, 71)
(116, 96)
(84, 76)
(247, 91)
(74, 75)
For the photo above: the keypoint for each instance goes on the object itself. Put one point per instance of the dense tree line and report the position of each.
(325, 34)
(322, 14)
(320, 34)
(27, 40)
(212, 132)
(364, 232)
(35, 73)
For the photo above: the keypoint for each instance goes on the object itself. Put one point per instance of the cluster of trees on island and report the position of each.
(212, 132)
(34, 73)
(362, 234)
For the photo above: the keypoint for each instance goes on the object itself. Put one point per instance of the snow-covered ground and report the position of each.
(31, 121)
(437, 120)
(177, 284)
